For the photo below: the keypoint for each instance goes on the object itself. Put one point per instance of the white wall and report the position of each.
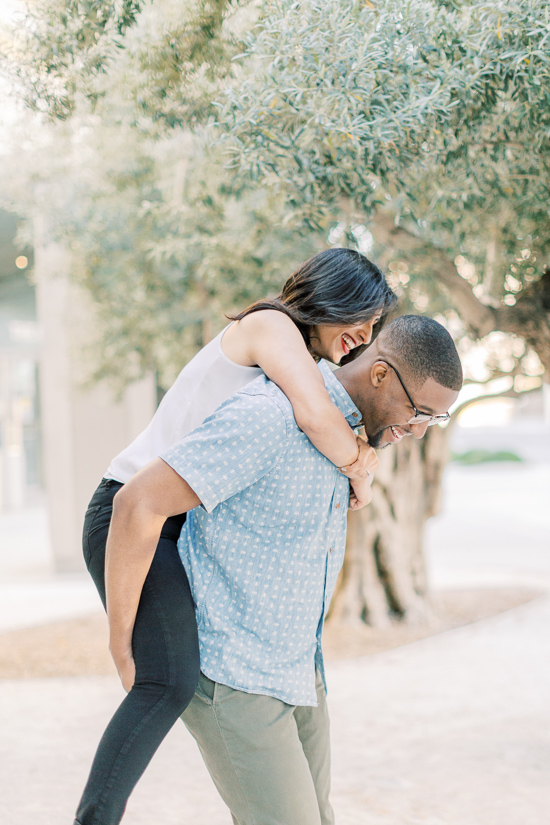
(82, 428)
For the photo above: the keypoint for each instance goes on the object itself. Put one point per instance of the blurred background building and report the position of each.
(57, 435)
(21, 472)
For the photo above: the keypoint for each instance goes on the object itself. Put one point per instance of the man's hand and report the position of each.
(125, 665)
(366, 463)
(360, 493)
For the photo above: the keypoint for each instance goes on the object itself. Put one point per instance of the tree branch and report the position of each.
(496, 374)
(503, 394)
(528, 318)
(478, 318)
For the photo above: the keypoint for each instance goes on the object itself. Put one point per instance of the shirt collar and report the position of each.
(339, 396)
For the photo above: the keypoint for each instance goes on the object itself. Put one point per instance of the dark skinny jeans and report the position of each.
(166, 654)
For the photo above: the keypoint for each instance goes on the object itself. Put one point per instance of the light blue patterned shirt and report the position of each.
(263, 552)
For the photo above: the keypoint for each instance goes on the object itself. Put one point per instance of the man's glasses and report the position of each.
(419, 417)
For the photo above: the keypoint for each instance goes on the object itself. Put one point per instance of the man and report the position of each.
(262, 555)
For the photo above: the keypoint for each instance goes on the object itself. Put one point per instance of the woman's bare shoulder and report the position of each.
(264, 319)
(245, 338)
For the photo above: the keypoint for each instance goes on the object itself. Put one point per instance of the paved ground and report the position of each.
(494, 528)
(451, 730)
(30, 593)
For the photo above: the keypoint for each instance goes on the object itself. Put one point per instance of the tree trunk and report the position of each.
(384, 573)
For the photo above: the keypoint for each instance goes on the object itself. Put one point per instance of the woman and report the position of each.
(326, 309)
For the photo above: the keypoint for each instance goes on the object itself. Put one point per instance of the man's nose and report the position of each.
(419, 430)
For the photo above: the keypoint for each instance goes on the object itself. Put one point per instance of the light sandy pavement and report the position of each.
(452, 730)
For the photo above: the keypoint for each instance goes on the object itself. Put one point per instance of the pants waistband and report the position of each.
(107, 483)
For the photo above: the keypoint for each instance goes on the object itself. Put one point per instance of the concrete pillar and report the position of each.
(82, 428)
(546, 402)
(12, 460)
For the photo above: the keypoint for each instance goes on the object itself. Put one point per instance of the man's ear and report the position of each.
(379, 372)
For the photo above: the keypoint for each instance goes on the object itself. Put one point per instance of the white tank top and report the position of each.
(202, 385)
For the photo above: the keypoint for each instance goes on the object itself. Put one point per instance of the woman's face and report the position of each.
(333, 342)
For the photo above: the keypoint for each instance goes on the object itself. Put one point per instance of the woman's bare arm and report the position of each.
(270, 340)
(140, 509)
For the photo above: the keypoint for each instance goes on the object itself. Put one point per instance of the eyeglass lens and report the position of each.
(421, 418)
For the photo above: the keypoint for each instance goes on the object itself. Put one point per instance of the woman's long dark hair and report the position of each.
(337, 286)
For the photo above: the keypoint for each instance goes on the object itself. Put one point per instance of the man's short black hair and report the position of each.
(423, 349)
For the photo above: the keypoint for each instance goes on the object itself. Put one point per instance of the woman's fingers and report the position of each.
(126, 668)
(360, 493)
(366, 464)
(127, 675)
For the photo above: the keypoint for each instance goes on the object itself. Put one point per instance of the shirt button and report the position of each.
(355, 415)
(338, 506)
(331, 549)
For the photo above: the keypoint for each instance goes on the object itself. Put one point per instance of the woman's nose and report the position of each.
(365, 333)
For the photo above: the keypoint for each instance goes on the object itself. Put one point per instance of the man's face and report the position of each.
(387, 417)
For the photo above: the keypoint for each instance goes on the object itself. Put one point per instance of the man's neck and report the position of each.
(354, 378)
(346, 376)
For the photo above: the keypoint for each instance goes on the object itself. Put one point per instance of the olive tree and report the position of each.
(424, 127)
(125, 169)
(416, 130)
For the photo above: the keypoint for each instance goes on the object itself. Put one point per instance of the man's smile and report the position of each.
(395, 434)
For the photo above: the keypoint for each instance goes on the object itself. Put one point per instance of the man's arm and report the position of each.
(140, 508)
(232, 449)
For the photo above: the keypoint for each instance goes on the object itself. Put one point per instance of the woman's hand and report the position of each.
(360, 493)
(125, 665)
(366, 463)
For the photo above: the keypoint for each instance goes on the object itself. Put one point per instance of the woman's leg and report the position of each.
(165, 647)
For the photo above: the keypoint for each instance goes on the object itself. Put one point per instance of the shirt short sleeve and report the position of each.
(235, 447)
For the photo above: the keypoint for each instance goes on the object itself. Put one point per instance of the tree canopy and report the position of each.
(429, 121)
(419, 129)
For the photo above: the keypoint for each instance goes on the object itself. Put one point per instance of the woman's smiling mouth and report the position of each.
(347, 342)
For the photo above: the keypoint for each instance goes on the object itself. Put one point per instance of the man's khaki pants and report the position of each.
(270, 761)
